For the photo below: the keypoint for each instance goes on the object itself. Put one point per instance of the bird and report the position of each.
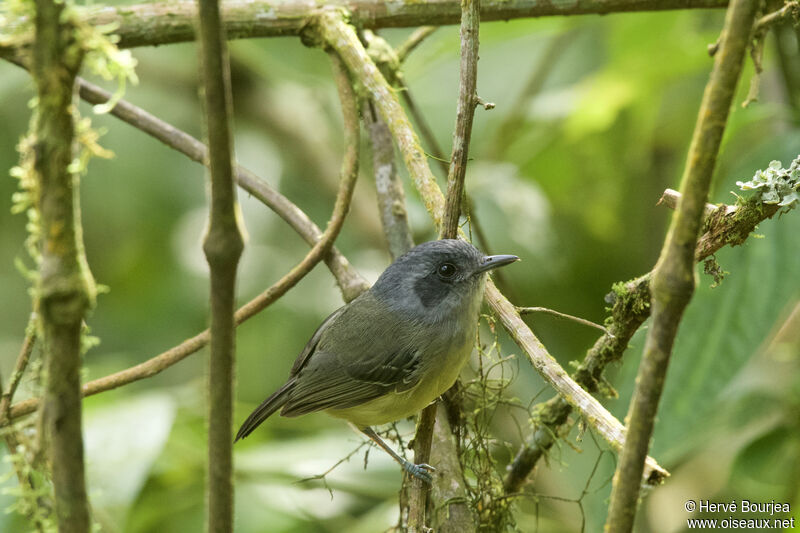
(395, 348)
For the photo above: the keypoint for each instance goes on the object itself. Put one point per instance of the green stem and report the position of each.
(65, 286)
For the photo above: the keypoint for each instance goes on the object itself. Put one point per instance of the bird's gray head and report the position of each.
(437, 279)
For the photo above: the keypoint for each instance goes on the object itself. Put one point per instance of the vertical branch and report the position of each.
(673, 277)
(391, 198)
(467, 100)
(222, 245)
(66, 289)
(465, 110)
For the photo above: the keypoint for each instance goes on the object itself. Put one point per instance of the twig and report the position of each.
(673, 276)
(515, 115)
(470, 24)
(332, 30)
(414, 40)
(166, 359)
(223, 245)
(465, 112)
(65, 287)
(789, 9)
(20, 366)
(528, 310)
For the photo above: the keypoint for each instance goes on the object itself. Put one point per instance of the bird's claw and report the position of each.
(421, 471)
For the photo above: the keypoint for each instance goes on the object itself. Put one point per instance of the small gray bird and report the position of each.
(395, 348)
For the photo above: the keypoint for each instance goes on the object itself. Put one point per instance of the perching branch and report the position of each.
(223, 245)
(465, 110)
(331, 31)
(65, 287)
(673, 276)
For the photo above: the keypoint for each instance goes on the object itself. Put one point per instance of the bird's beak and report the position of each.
(493, 261)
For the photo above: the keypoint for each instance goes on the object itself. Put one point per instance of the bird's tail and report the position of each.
(263, 411)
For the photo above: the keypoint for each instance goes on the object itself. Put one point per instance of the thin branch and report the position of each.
(223, 245)
(65, 286)
(515, 115)
(465, 112)
(790, 9)
(176, 354)
(590, 409)
(19, 367)
(579, 320)
(673, 276)
(332, 31)
(414, 40)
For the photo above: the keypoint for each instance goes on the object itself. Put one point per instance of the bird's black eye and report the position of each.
(446, 270)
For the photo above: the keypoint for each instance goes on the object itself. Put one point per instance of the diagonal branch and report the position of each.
(673, 277)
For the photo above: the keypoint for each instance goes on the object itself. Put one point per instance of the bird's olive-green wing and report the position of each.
(360, 353)
(329, 383)
(311, 345)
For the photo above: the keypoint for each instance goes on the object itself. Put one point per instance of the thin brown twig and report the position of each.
(789, 9)
(414, 40)
(465, 113)
(470, 24)
(529, 310)
(388, 187)
(19, 367)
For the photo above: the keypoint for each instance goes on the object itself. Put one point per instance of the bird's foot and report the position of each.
(421, 471)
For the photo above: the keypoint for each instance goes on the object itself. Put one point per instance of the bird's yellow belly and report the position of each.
(397, 405)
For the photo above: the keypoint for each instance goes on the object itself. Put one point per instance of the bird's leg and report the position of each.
(421, 471)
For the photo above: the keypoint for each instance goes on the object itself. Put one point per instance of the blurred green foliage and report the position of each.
(566, 178)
